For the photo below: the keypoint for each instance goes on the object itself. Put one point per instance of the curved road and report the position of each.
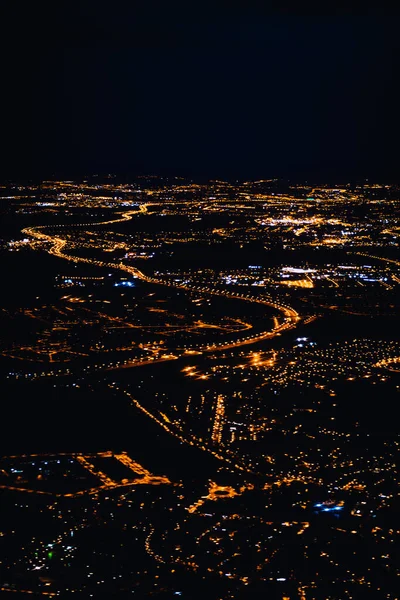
(57, 249)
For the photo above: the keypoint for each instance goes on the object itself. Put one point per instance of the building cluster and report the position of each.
(243, 335)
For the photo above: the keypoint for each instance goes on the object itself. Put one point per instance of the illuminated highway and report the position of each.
(57, 249)
(140, 475)
(291, 319)
(192, 442)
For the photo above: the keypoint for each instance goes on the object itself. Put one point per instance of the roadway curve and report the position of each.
(291, 316)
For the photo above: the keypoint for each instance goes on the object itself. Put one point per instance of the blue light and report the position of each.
(125, 284)
(328, 508)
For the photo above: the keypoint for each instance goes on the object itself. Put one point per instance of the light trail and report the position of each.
(332, 281)
(390, 260)
(19, 591)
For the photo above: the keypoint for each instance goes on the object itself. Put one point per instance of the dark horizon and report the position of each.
(238, 97)
(126, 178)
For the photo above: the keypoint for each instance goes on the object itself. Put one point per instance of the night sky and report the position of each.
(232, 95)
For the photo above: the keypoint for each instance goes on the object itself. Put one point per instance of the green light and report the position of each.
(50, 555)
